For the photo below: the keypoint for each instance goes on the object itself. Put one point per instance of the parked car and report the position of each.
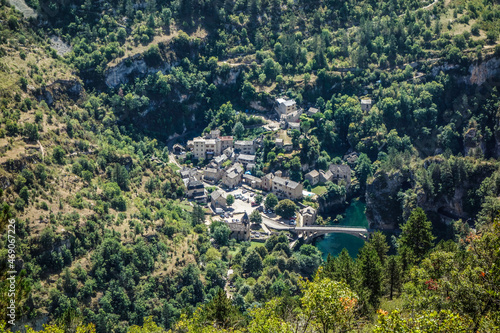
(244, 191)
(254, 204)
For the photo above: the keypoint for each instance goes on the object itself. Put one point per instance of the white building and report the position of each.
(284, 106)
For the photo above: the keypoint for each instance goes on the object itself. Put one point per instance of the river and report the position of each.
(334, 243)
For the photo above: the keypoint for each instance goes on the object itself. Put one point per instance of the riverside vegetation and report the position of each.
(107, 242)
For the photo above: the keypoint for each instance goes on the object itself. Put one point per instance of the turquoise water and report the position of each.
(334, 243)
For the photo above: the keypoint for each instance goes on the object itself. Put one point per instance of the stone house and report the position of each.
(233, 175)
(308, 216)
(283, 188)
(219, 160)
(312, 177)
(240, 230)
(230, 154)
(325, 176)
(252, 181)
(196, 190)
(212, 174)
(341, 173)
(218, 199)
(246, 159)
(245, 147)
(312, 111)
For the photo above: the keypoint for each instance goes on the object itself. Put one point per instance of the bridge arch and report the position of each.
(311, 232)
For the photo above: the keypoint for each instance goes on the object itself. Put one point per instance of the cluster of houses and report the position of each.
(232, 161)
(289, 114)
(336, 173)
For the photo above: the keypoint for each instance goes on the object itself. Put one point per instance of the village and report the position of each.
(229, 187)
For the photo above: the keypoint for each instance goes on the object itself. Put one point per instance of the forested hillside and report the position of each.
(93, 94)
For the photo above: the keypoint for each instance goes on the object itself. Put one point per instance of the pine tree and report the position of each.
(379, 243)
(120, 176)
(416, 234)
(197, 215)
(393, 271)
(371, 274)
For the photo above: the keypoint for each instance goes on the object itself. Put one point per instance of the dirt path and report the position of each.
(41, 149)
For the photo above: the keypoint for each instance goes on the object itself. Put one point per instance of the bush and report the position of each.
(58, 155)
(475, 29)
(491, 36)
(13, 22)
(19, 204)
(119, 203)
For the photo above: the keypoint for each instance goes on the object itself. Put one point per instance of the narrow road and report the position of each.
(275, 225)
(171, 158)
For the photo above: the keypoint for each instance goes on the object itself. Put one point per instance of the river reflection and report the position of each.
(334, 243)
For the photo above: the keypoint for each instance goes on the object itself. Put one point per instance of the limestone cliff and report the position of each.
(383, 207)
(446, 193)
(130, 67)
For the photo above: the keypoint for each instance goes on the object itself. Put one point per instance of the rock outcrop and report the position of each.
(133, 66)
(477, 73)
(383, 208)
(60, 90)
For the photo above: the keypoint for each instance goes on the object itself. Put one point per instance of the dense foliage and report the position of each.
(106, 241)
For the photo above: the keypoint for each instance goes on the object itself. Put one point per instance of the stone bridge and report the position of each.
(313, 231)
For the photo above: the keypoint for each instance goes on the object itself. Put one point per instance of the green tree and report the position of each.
(416, 234)
(252, 264)
(268, 319)
(341, 268)
(258, 199)
(220, 311)
(31, 131)
(58, 155)
(379, 243)
(120, 176)
(197, 215)
(221, 234)
(230, 199)
(286, 208)
(425, 321)
(238, 130)
(271, 201)
(394, 273)
(329, 305)
(247, 91)
(255, 217)
(87, 176)
(371, 271)
(363, 169)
